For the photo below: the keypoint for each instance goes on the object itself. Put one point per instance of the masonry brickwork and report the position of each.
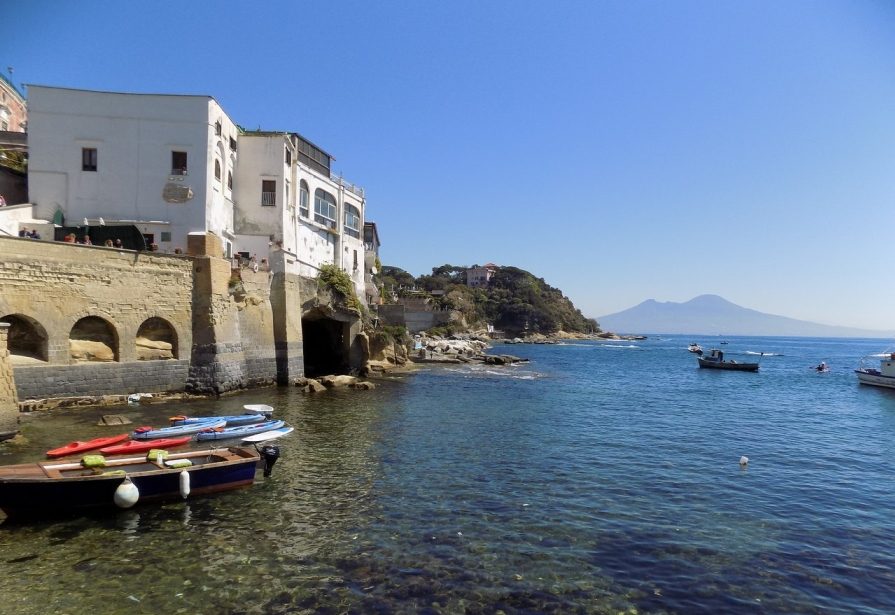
(229, 333)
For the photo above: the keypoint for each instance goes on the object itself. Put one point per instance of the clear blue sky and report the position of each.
(620, 150)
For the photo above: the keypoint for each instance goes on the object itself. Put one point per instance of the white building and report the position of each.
(287, 199)
(174, 165)
(164, 163)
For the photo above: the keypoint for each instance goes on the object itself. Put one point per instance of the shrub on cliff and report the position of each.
(337, 280)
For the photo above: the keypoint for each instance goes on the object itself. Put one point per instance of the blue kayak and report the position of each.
(148, 433)
(240, 419)
(240, 431)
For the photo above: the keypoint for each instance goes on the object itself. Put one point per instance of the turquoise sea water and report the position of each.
(602, 477)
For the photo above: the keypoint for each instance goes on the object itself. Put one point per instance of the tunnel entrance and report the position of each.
(325, 346)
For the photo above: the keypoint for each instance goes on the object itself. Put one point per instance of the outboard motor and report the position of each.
(270, 454)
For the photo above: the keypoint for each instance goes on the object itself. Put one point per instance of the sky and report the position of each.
(621, 151)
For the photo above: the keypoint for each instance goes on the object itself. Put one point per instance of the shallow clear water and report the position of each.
(599, 478)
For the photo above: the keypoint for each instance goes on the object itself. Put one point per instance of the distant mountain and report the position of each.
(713, 315)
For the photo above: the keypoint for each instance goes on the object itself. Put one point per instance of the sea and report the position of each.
(599, 477)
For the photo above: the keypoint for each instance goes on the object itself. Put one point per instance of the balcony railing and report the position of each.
(348, 186)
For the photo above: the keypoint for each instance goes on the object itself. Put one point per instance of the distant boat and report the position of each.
(883, 376)
(694, 347)
(715, 360)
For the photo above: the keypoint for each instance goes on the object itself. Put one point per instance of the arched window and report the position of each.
(352, 221)
(324, 208)
(156, 340)
(229, 180)
(217, 169)
(304, 199)
(93, 339)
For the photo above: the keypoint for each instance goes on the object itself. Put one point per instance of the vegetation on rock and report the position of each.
(514, 301)
(334, 278)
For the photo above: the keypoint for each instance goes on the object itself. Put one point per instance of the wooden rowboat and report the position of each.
(53, 488)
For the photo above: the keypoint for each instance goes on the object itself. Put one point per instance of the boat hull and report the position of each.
(737, 367)
(875, 379)
(41, 490)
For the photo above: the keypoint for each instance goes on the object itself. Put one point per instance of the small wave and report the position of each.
(617, 347)
(478, 371)
(765, 354)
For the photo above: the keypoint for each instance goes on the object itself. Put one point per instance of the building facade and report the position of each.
(162, 163)
(173, 165)
(13, 110)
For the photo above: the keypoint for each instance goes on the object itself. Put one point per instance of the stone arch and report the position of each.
(27, 338)
(156, 340)
(93, 339)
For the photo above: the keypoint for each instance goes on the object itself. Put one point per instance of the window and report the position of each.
(232, 144)
(229, 180)
(304, 198)
(352, 221)
(286, 195)
(217, 169)
(324, 208)
(88, 159)
(217, 128)
(288, 157)
(178, 163)
(268, 193)
(166, 235)
(355, 260)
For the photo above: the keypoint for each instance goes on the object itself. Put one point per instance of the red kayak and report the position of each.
(141, 446)
(77, 447)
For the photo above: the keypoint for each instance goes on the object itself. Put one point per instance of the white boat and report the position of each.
(882, 376)
(694, 347)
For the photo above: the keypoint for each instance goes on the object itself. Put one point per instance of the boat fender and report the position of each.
(127, 494)
(270, 453)
(184, 484)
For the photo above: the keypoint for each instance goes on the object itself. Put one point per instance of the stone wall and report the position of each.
(84, 317)
(53, 285)
(414, 320)
(8, 405)
(94, 379)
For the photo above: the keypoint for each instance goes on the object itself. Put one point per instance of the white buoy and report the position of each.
(127, 494)
(184, 484)
(744, 461)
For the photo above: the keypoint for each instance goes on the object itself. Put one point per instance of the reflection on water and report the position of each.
(586, 481)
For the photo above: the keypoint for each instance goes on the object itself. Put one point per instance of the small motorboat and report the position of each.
(715, 360)
(59, 488)
(240, 431)
(882, 376)
(694, 347)
(73, 448)
(240, 419)
(149, 433)
(141, 446)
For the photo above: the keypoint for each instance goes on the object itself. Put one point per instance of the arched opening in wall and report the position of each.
(156, 340)
(93, 339)
(325, 345)
(26, 339)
